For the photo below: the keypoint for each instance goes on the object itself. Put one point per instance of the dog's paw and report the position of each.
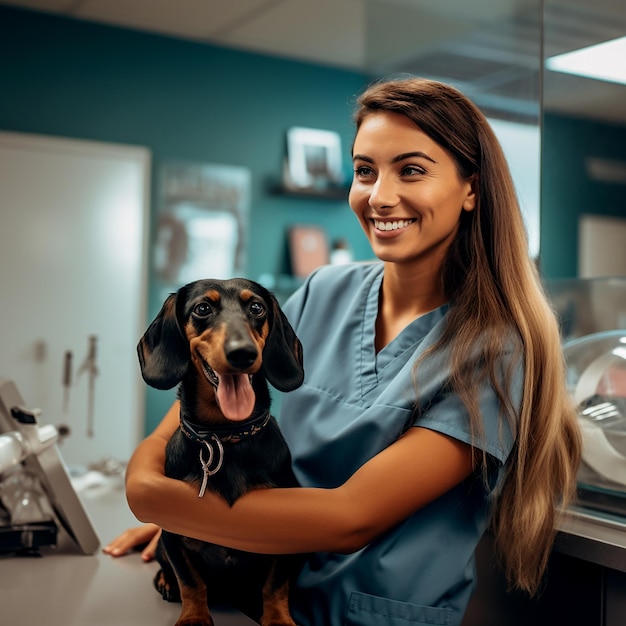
(276, 615)
(194, 620)
(168, 591)
(277, 620)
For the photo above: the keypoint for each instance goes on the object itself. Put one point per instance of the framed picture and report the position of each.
(313, 159)
(308, 248)
(202, 223)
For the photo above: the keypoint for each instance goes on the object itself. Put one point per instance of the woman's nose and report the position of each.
(383, 193)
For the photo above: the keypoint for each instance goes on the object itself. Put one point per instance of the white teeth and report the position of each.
(391, 225)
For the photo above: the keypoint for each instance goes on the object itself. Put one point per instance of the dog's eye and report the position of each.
(203, 309)
(257, 309)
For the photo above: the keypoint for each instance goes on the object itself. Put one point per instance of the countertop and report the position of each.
(66, 588)
(593, 536)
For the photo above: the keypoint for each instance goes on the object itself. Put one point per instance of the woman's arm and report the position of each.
(415, 470)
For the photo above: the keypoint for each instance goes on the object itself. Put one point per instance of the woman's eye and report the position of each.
(362, 171)
(257, 309)
(412, 170)
(202, 309)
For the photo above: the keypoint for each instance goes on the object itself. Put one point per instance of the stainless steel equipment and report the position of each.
(597, 381)
(35, 488)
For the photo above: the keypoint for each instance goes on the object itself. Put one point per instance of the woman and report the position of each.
(434, 404)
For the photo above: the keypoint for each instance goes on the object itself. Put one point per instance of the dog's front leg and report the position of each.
(276, 596)
(195, 611)
(193, 590)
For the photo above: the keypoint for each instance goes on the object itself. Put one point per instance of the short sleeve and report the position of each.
(448, 415)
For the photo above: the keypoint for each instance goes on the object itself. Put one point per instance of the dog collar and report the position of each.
(212, 440)
(231, 433)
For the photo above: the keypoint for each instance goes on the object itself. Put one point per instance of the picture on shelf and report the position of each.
(308, 248)
(313, 159)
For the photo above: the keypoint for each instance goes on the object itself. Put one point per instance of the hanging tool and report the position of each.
(89, 366)
(67, 381)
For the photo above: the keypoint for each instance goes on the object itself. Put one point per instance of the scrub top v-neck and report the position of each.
(354, 403)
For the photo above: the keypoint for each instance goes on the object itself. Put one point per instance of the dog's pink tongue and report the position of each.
(235, 396)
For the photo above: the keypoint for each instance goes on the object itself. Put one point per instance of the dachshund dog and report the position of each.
(221, 341)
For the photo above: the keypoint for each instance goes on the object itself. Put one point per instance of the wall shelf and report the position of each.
(332, 193)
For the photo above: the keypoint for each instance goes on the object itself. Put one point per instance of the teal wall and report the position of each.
(183, 101)
(566, 190)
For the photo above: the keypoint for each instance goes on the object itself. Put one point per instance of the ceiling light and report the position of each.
(602, 61)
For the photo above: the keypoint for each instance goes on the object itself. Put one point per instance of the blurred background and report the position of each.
(143, 143)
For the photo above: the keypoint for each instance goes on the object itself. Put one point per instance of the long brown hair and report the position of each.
(497, 304)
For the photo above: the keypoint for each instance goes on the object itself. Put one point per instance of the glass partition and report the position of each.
(583, 131)
(491, 51)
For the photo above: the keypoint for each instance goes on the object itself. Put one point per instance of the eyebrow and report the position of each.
(396, 159)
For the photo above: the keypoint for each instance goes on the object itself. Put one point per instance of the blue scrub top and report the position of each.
(353, 404)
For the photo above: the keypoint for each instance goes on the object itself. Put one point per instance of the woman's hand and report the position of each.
(145, 535)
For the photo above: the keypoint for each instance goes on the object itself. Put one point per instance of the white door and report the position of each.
(73, 218)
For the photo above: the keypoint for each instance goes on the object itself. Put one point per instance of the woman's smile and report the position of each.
(391, 225)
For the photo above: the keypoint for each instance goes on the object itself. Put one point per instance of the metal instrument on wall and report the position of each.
(90, 367)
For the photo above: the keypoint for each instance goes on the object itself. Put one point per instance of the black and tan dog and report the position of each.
(221, 341)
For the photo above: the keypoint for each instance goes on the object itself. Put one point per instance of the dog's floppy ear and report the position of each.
(163, 350)
(282, 355)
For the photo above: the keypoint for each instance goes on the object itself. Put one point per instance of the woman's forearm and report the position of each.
(295, 520)
(271, 521)
(268, 521)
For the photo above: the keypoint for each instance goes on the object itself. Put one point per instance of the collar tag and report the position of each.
(206, 465)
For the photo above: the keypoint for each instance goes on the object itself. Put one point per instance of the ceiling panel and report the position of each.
(194, 19)
(324, 31)
(444, 39)
(396, 32)
(53, 6)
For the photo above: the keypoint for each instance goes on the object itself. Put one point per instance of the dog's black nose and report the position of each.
(241, 356)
